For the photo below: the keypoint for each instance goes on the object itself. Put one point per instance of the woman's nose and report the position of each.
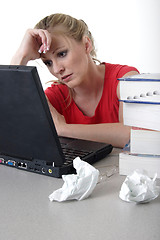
(58, 68)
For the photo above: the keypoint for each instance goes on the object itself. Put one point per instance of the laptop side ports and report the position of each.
(11, 163)
(1, 160)
(22, 165)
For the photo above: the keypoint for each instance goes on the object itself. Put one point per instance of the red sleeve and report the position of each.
(58, 96)
(123, 69)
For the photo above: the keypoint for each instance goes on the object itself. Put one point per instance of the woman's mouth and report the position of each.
(66, 78)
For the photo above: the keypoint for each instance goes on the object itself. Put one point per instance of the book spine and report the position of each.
(138, 89)
(142, 115)
(128, 163)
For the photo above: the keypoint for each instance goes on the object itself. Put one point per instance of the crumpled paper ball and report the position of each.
(77, 186)
(139, 188)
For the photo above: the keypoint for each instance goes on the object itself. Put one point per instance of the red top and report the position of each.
(107, 110)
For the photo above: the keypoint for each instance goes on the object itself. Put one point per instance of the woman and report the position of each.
(85, 102)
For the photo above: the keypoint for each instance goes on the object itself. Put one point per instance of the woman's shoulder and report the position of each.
(58, 89)
(58, 95)
(117, 70)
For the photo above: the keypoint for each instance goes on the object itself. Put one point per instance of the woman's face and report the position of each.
(68, 59)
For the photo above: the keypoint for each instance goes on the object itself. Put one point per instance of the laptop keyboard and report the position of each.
(71, 154)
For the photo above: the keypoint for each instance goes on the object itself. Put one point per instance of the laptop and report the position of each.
(28, 138)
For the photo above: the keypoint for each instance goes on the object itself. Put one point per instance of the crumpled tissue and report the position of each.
(77, 186)
(139, 188)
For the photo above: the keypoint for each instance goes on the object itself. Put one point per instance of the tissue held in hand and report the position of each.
(77, 186)
(139, 188)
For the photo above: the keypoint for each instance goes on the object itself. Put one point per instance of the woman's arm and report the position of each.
(35, 41)
(114, 133)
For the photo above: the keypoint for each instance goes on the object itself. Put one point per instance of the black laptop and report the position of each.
(28, 138)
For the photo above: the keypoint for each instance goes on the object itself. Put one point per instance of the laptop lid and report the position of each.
(27, 130)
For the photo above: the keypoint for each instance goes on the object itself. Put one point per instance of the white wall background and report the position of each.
(125, 31)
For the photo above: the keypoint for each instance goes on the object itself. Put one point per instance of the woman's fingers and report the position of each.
(44, 38)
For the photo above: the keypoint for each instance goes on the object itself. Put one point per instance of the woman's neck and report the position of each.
(93, 82)
(87, 97)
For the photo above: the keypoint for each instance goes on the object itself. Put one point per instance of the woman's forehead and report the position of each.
(59, 39)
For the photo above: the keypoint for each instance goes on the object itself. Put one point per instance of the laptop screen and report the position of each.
(26, 126)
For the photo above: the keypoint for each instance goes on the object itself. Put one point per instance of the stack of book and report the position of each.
(141, 110)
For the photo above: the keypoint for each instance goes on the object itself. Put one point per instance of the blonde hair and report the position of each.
(67, 25)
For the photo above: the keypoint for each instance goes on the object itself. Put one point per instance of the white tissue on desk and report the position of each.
(77, 186)
(139, 188)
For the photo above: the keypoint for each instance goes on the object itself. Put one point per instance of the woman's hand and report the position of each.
(35, 42)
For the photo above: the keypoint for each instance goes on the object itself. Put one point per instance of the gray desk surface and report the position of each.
(26, 212)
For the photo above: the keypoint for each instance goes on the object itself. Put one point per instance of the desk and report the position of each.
(26, 212)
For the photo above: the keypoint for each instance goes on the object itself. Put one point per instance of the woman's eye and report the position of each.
(62, 54)
(48, 63)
